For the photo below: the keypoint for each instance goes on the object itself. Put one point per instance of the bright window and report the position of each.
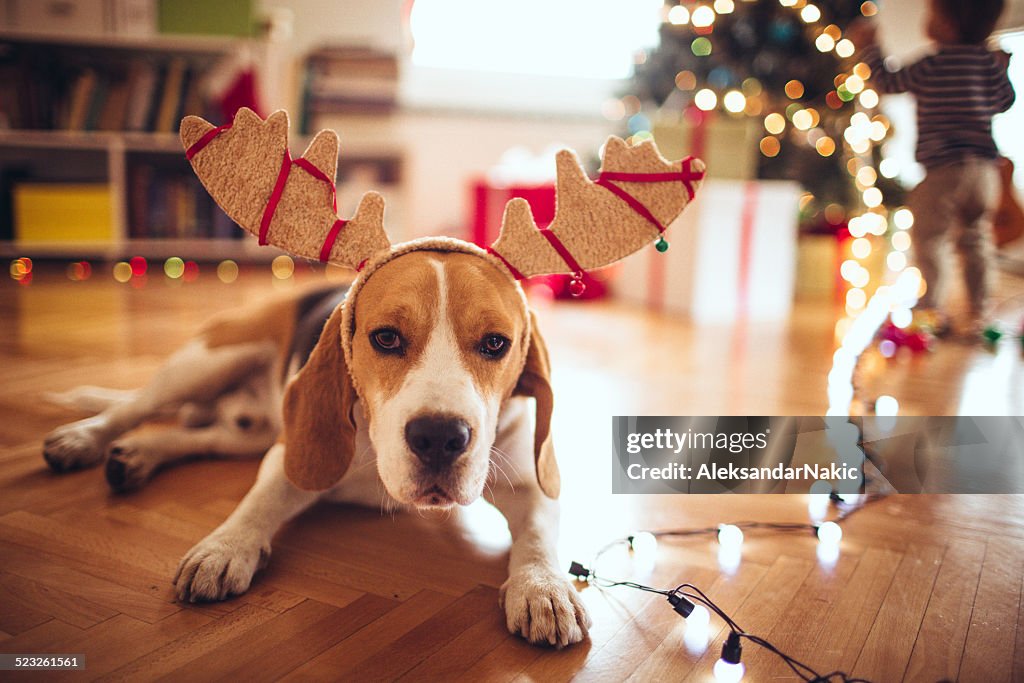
(560, 38)
(1008, 128)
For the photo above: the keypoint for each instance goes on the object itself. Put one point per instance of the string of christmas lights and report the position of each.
(692, 604)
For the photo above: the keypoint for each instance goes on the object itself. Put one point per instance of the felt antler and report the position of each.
(637, 195)
(247, 169)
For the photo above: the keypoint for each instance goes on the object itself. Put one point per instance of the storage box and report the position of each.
(58, 212)
(727, 145)
(732, 255)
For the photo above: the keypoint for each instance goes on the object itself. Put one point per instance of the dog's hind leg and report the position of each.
(90, 399)
(132, 459)
(194, 373)
(223, 563)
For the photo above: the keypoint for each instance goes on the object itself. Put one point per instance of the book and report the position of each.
(170, 98)
(81, 98)
(142, 82)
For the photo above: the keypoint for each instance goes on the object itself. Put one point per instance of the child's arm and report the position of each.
(1005, 96)
(863, 34)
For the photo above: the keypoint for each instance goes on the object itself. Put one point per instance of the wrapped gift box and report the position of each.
(732, 255)
(729, 145)
(488, 205)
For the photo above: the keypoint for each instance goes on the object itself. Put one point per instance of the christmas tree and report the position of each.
(786, 65)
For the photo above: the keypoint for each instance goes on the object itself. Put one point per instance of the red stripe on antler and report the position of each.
(205, 140)
(574, 267)
(332, 235)
(512, 269)
(275, 196)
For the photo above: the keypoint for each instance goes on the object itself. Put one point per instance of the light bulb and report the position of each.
(817, 506)
(728, 673)
(730, 535)
(700, 617)
(644, 544)
(830, 534)
(698, 630)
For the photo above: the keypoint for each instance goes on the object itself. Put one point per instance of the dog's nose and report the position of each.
(437, 440)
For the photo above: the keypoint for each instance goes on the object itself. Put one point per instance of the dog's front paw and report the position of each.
(542, 607)
(219, 566)
(73, 446)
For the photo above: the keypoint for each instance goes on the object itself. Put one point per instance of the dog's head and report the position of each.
(433, 341)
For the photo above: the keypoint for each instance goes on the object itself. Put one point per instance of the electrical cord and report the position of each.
(686, 596)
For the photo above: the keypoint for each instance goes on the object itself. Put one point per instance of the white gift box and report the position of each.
(732, 255)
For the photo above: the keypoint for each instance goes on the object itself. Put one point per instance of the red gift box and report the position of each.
(488, 206)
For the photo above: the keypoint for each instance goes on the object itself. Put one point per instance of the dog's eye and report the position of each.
(386, 339)
(493, 346)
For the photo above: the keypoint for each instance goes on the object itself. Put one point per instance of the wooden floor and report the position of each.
(926, 588)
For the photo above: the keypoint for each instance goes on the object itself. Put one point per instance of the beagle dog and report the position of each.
(430, 381)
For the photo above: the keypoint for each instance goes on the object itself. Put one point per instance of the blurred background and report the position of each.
(451, 107)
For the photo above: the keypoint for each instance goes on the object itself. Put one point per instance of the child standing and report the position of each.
(958, 88)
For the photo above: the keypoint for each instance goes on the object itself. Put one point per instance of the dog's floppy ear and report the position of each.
(319, 428)
(536, 382)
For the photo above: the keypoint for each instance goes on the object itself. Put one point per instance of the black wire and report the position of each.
(803, 671)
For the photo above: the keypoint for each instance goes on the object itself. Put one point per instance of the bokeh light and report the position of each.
(861, 247)
(734, 101)
(724, 6)
(770, 146)
(21, 269)
(775, 123)
(794, 89)
(825, 43)
(122, 271)
(903, 218)
(826, 146)
(686, 80)
(869, 98)
(227, 271)
(705, 99)
(702, 16)
(190, 272)
(810, 14)
(679, 15)
(701, 47)
(282, 267)
(79, 271)
(896, 261)
(901, 240)
(845, 48)
(138, 266)
(174, 267)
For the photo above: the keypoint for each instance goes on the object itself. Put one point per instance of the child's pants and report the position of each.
(958, 201)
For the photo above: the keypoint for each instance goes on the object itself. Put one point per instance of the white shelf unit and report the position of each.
(112, 149)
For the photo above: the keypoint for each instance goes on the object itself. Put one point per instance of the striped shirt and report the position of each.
(958, 90)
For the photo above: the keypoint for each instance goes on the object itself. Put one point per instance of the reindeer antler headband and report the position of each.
(249, 172)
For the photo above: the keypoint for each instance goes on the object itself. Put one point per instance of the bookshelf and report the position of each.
(41, 150)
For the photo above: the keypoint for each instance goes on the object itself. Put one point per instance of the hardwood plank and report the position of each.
(845, 625)
(47, 637)
(943, 633)
(989, 651)
(404, 653)
(18, 614)
(122, 639)
(62, 604)
(177, 654)
(55, 571)
(373, 637)
(889, 644)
